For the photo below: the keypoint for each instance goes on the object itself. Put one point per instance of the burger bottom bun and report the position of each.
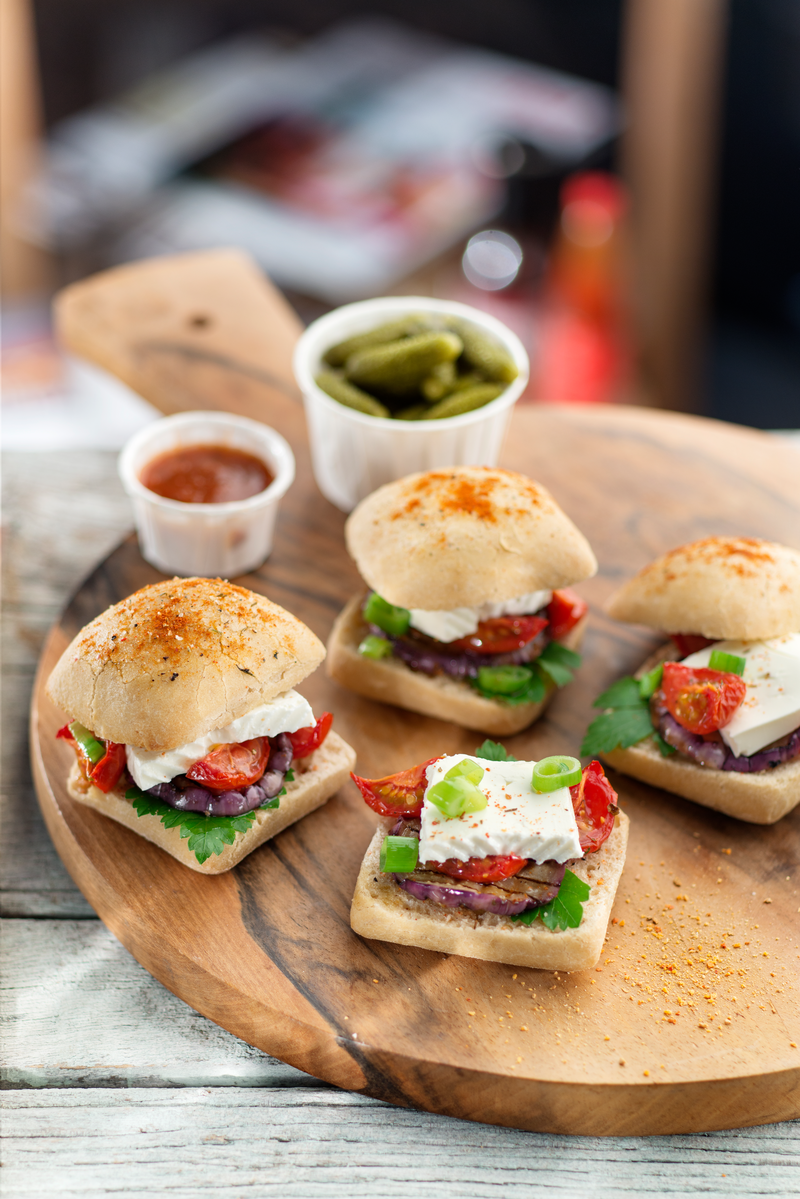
(328, 768)
(383, 911)
(392, 682)
(759, 798)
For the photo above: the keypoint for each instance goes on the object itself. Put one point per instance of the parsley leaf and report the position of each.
(493, 751)
(624, 693)
(664, 746)
(206, 834)
(566, 910)
(558, 663)
(619, 729)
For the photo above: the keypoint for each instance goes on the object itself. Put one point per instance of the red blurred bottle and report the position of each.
(584, 352)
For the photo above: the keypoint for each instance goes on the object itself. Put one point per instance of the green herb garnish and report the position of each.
(625, 722)
(206, 834)
(493, 751)
(566, 910)
(528, 684)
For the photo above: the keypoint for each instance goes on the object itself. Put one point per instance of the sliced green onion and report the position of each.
(729, 663)
(649, 683)
(386, 616)
(557, 771)
(465, 769)
(503, 680)
(455, 797)
(375, 647)
(399, 855)
(94, 749)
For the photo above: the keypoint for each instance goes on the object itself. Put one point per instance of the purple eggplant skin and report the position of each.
(451, 896)
(185, 795)
(716, 755)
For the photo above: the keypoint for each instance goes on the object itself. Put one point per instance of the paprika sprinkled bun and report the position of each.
(179, 658)
(724, 588)
(465, 536)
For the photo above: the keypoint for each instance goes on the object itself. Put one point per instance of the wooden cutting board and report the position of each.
(691, 1021)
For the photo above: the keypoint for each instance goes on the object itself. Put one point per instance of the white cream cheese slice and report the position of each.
(516, 819)
(285, 714)
(450, 625)
(771, 707)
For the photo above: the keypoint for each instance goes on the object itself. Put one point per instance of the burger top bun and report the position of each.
(464, 536)
(180, 658)
(726, 588)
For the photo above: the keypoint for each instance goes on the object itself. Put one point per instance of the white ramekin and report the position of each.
(353, 453)
(206, 539)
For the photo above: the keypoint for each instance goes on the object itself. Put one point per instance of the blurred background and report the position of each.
(618, 182)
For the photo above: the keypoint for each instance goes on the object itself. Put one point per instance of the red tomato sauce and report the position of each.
(205, 474)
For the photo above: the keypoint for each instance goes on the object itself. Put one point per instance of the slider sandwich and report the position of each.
(488, 857)
(714, 715)
(468, 618)
(184, 723)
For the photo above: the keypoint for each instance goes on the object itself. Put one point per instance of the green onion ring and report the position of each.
(558, 771)
(728, 663)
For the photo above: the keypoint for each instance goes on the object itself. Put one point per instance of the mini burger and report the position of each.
(714, 715)
(488, 857)
(184, 723)
(468, 617)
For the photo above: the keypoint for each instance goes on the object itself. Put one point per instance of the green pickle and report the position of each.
(464, 401)
(440, 382)
(486, 354)
(415, 412)
(400, 366)
(345, 393)
(406, 326)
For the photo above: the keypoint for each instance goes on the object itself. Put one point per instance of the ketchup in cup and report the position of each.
(206, 474)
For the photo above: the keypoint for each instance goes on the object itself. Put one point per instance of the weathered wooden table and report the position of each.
(112, 1085)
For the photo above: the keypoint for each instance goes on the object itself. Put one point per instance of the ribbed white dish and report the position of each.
(206, 539)
(352, 453)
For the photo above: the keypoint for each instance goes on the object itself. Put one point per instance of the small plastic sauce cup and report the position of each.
(223, 540)
(352, 454)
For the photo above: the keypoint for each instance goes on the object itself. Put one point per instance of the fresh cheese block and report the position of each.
(771, 707)
(285, 714)
(462, 622)
(516, 819)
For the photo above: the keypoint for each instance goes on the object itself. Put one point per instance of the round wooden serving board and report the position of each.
(690, 1022)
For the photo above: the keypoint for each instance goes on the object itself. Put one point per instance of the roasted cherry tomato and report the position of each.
(689, 643)
(594, 802)
(306, 740)
(398, 794)
(564, 611)
(701, 700)
(229, 767)
(500, 635)
(480, 870)
(105, 774)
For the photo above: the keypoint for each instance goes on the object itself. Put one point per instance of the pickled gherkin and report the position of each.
(486, 354)
(339, 389)
(440, 382)
(407, 326)
(464, 401)
(415, 412)
(400, 366)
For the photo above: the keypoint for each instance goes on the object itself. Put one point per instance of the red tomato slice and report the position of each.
(700, 699)
(689, 643)
(500, 635)
(306, 740)
(106, 773)
(564, 611)
(229, 767)
(594, 802)
(398, 794)
(65, 733)
(480, 870)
